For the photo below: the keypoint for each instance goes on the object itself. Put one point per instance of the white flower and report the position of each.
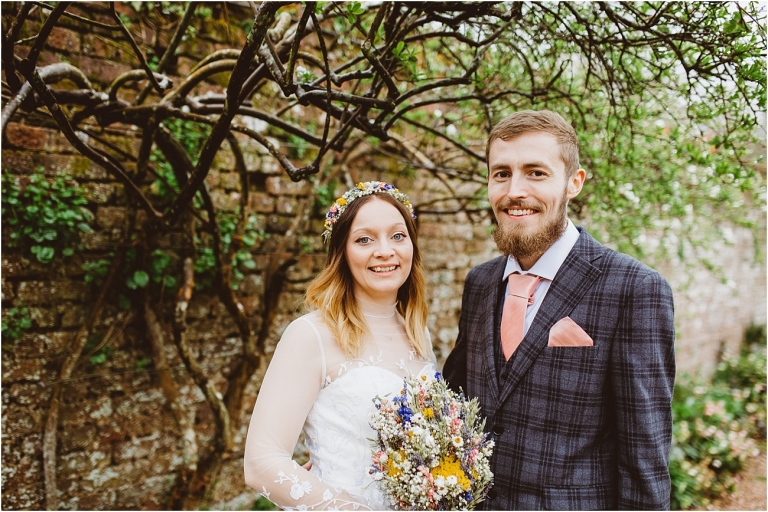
(457, 441)
(297, 491)
(452, 480)
(327, 495)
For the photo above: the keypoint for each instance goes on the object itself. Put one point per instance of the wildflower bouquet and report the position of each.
(431, 452)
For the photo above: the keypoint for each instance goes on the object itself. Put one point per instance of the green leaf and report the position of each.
(141, 278)
(45, 254)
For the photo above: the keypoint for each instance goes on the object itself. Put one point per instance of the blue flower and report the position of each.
(438, 375)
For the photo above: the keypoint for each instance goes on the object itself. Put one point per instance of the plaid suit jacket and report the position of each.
(575, 427)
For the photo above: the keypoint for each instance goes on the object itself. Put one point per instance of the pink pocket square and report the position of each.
(567, 333)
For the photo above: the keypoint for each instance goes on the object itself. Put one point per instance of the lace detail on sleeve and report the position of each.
(302, 491)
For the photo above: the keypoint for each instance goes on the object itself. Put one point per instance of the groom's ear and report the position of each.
(575, 182)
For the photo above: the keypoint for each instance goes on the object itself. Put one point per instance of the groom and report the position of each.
(568, 345)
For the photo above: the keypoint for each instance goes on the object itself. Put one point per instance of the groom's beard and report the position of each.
(511, 240)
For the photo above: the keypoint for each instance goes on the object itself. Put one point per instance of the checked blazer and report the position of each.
(576, 428)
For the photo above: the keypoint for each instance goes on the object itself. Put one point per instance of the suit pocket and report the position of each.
(592, 497)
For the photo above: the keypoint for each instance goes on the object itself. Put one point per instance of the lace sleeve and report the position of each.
(289, 389)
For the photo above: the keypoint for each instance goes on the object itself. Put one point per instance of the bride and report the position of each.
(366, 330)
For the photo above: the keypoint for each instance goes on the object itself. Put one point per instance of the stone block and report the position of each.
(51, 292)
(252, 284)
(103, 497)
(137, 448)
(110, 216)
(97, 241)
(43, 318)
(306, 267)
(287, 205)
(278, 224)
(24, 370)
(7, 290)
(20, 421)
(213, 179)
(282, 186)
(19, 162)
(73, 316)
(99, 193)
(29, 393)
(76, 166)
(261, 203)
(223, 201)
(230, 181)
(31, 138)
(148, 496)
(64, 40)
(82, 462)
(76, 439)
(21, 265)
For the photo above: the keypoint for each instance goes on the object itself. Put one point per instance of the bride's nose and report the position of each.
(383, 249)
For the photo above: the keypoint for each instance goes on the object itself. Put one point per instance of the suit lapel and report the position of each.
(573, 279)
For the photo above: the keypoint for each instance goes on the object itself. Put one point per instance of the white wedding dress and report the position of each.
(312, 386)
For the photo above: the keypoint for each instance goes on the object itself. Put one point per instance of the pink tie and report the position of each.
(520, 288)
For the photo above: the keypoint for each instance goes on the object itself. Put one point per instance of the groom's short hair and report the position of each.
(546, 121)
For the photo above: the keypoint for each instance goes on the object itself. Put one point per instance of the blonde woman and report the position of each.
(365, 331)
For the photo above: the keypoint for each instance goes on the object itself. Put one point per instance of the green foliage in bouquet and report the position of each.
(714, 427)
(431, 452)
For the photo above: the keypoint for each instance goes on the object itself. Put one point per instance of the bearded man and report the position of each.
(568, 345)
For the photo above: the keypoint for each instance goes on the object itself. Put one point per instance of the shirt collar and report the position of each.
(549, 263)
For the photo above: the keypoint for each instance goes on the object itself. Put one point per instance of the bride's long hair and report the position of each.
(332, 291)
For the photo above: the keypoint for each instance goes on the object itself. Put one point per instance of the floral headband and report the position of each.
(362, 189)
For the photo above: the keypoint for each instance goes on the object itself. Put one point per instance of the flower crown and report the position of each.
(362, 189)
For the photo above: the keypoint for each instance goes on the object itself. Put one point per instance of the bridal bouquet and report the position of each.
(430, 452)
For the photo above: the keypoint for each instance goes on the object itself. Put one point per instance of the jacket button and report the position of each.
(498, 430)
(492, 494)
(504, 375)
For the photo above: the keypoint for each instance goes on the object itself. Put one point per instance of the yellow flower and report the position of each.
(341, 201)
(361, 186)
(428, 413)
(393, 470)
(449, 466)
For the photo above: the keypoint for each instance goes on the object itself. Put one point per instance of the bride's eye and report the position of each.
(363, 240)
(399, 236)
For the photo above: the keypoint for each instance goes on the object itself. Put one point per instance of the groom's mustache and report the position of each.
(509, 204)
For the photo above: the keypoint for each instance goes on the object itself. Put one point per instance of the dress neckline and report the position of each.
(376, 310)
